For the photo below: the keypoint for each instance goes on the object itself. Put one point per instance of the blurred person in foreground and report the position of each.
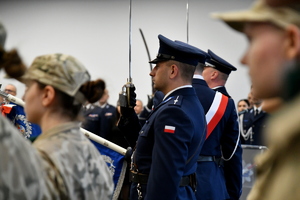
(57, 87)
(273, 58)
(21, 173)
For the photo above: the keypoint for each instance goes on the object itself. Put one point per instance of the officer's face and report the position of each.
(265, 57)
(159, 76)
(33, 101)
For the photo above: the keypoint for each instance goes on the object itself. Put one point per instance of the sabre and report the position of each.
(127, 87)
(148, 53)
(187, 21)
(129, 76)
(149, 58)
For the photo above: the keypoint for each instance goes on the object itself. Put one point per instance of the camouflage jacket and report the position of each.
(278, 174)
(74, 166)
(21, 172)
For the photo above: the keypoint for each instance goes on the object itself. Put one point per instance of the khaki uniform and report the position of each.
(278, 170)
(21, 172)
(74, 166)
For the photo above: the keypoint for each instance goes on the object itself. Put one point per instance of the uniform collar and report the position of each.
(168, 94)
(258, 108)
(58, 129)
(217, 87)
(198, 76)
(104, 105)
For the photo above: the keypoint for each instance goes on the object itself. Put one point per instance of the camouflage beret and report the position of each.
(61, 71)
(261, 12)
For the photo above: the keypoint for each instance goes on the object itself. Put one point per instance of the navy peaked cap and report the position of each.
(181, 52)
(219, 63)
(203, 55)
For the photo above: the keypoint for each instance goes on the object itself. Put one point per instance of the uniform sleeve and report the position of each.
(20, 165)
(172, 132)
(130, 127)
(232, 167)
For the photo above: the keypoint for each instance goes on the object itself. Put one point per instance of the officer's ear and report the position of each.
(48, 97)
(174, 70)
(292, 43)
(214, 74)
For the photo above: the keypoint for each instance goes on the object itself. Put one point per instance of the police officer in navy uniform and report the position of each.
(224, 140)
(253, 123)
(92, 118)
(165, 159)
(107, 115)
(92, 115)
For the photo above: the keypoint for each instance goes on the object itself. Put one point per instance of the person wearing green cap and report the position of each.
(58, 86)
(273, 56)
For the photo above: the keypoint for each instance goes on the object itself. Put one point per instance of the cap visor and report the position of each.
(156, 60)
(236, 20)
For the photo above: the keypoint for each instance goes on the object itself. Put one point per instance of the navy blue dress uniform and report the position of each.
(169, 143)
(92, 119)
(107, 115)
(223, 141)
(221, 179)
(155, 100)
(253, 126)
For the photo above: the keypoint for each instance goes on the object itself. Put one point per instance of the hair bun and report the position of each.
(93, 90)
(12, 64)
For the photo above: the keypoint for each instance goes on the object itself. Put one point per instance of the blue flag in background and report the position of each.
(18, 117)
(116, 164)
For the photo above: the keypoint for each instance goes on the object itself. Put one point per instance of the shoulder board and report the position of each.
(176, 100)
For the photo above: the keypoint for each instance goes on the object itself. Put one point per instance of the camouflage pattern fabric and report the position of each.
(63, 72)
(21, 172)
(73, 164)
(278, 174)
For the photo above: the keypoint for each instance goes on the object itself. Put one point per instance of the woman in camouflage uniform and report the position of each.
(58, 85)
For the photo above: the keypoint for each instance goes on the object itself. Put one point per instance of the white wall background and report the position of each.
(97, 33)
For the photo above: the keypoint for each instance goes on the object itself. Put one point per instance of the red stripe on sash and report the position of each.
(218, 115)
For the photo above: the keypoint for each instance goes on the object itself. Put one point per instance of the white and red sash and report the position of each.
(215, 112)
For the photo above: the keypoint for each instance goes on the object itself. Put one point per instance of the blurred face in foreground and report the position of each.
(268, 54)
(33, 99)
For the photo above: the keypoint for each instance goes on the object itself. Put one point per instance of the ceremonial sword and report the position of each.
(125, 102)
